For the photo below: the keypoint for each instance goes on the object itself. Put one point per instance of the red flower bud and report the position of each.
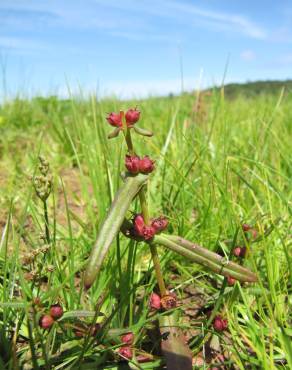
(159, 223)
(220, 324)
(239, 251)
(155, 301)
(115, 119)
(246, 227)
(56, 311)
(139, 225)
(46, 321)
(128, 338)
(132, 116)
(146, 165)
(132, 163)
(142, 230)
(125, 352)
(148, 232)
(168, 301)
(231, 281)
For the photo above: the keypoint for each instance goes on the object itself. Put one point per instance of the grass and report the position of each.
(219, 164)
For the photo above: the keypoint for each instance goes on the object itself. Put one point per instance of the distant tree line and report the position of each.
(250, 89)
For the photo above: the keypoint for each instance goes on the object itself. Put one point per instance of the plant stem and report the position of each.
(144, 204)
(146, 216)
(158, 271)
(46, 222)
(153, 249)
(129, 142)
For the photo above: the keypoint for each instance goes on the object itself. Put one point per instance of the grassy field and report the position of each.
(219, 163)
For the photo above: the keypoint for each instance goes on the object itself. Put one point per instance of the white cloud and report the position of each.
(132, 15)
(190, 14)
(235, 22)
(247, 55)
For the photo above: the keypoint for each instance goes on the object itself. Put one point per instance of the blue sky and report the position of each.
(135, 48)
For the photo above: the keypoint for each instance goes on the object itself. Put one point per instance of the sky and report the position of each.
(138, 48)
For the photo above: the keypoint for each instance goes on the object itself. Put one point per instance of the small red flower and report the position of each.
(132, 163)
(139, 225)
(115, 119)
(142, 230)
(220, 324)
(125, 352)
(146, 165)
(246, 227)
(128, 338)
(159, 223)
(56, 311)
(46, 321)
(148, 232)
(155, 301)
(132, 116)
(231, 281)
(239, 251)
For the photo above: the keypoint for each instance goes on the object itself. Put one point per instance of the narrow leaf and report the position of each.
(143, 132)
(114, 133)
(111, 225)
(205, 257)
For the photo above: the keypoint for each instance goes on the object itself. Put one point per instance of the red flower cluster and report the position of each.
(166, 302)
(249, 231)
(135, 164)
(147, 232)
(239, 251)
(220, 324)
(132, 116)
(56, 312)
(231, 281)
(126, 350)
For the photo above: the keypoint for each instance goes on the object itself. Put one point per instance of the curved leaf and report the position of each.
(111, 225)
(205, 257)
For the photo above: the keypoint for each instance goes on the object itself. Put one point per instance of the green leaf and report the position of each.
(114, 133)
(111, 225)
(142, 131)
(205, 257)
